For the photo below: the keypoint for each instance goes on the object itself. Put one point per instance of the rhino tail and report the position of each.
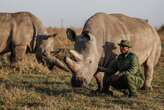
(34, 38)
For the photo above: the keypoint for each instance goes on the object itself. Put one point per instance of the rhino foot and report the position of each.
(147, 88)
(13, 65)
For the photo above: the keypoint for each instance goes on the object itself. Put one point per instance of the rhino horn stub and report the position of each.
(51, 61)
(71, 64)
(60, 64)
(76, 55)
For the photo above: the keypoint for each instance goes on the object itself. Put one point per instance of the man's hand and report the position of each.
(115, 78)
(100, 68)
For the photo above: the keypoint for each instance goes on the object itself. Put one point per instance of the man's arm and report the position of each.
(111, 69)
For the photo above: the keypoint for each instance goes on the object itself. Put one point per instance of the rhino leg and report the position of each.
(99, 79)
(148, 71)
(17, 54)
(13, 59)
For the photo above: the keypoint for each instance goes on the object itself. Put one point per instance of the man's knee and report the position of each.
(131, 80)
(127, 79)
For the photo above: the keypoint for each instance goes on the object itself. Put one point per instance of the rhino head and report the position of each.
(84, 63)
(44, 45)
(43, 49)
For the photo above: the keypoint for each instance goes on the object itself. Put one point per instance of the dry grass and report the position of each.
(34, 87)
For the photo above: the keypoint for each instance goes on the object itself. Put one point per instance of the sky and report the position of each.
(74, 13)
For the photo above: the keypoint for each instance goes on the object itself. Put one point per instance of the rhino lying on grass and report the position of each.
(97, 45)
(45, 53)
(21, 31)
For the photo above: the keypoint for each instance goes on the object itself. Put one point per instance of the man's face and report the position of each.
(124, 49)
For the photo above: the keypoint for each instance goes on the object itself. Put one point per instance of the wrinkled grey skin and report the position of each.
(97, 45)
(18, 32)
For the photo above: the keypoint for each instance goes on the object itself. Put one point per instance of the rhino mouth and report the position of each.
(76, 83)
(40, 56)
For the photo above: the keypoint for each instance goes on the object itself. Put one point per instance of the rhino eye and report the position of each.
(90, 61)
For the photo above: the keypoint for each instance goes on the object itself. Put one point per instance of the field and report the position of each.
(32, 86)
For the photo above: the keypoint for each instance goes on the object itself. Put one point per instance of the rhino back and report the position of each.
(40, 29)
(24, 31)
(109, 29)
(28, 27)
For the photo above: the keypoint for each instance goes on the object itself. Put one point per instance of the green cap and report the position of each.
(125, 43)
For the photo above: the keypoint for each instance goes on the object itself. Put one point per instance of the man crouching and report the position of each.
(124, 72)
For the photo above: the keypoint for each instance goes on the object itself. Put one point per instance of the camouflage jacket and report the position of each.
(126, 64)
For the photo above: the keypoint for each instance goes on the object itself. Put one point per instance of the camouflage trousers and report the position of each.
(130, 82)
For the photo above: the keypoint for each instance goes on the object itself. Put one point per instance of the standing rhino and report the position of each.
(18, 32)
(21, 31)
(97, 45)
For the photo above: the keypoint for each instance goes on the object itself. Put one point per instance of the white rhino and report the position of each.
(97, 45)
(18, 32)
(45, 45)
(22, 31)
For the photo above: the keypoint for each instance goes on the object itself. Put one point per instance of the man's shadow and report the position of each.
(109, 54)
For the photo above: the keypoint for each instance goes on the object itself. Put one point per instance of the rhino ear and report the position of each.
(71, 35)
